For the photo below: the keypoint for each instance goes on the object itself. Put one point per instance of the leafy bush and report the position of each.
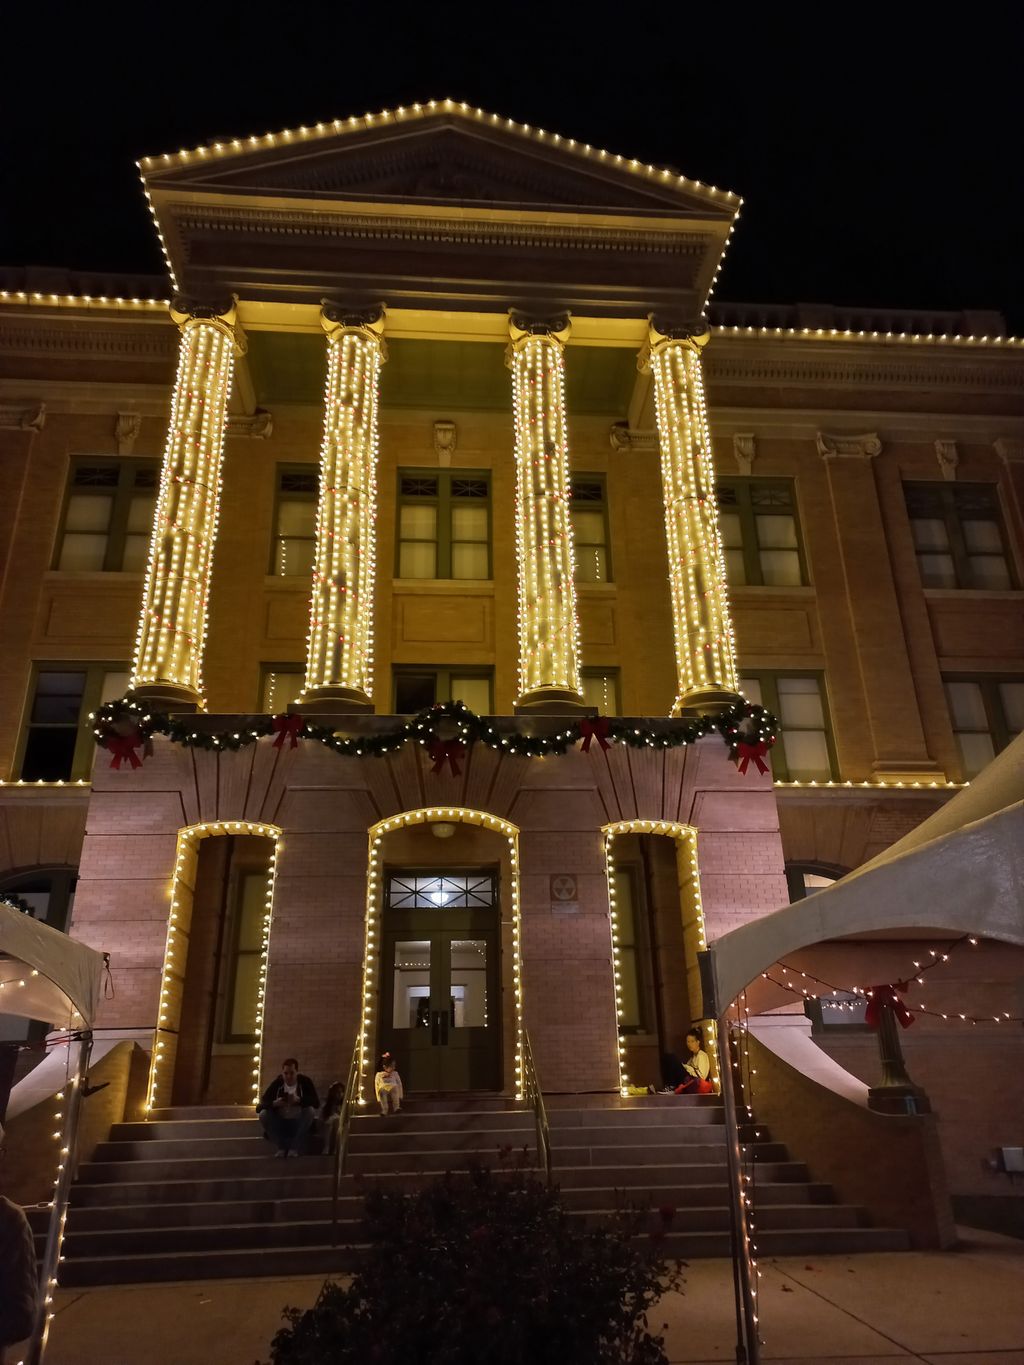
(486, 1269)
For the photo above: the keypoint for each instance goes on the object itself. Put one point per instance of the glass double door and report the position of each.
(441, 1007)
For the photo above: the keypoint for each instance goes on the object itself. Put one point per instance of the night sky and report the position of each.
(879, 160)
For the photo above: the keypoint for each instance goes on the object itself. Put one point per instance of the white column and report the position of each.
(705, 648)
(172, 624)
(339, 666)
(549, 675)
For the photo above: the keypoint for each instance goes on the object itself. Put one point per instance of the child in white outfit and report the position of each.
(388, 1085)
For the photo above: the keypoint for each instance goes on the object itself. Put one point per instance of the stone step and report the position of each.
(689, 1196)
(682, 1116)
(291, 1261)
(195, 1168)
(202, 1111)
(419, 1139)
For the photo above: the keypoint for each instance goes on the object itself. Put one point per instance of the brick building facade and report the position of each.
(870, 479)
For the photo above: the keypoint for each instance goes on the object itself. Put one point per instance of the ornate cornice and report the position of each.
(468, 231)
(23, 416)
(1010, 451)
(623, 439)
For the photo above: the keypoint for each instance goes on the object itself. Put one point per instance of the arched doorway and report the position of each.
(442, 980)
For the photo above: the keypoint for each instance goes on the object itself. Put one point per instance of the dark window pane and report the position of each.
(58, 698)
(469, 488)
(145, 478)
(727, 496)
(414, 692)
(584, 490)
(49, 754)
(95, 476)
(296, 482)
(413, 487)
(770, 497)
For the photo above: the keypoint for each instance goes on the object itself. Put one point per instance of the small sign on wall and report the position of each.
(564, 894)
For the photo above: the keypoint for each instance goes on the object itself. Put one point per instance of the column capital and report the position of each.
(523, 326)
(337, 317)
(222, 310)
(663, 332)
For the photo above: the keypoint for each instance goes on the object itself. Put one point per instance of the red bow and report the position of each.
(594, 729)
(746, 752)
(444, 751)
(887, 995)
(124, 746)
(287, 727)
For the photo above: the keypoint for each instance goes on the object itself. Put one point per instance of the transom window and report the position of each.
(298, 489)
(761, 533)
(804, 751)
(444, 524)
(986, 714)
(959, 536)
(108, 516)
(427, 891)
(590, 529)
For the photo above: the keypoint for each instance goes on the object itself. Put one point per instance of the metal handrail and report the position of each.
(348, 1103)
(532, 1090)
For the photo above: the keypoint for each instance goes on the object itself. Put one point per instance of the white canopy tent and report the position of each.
(46, 975)
(962, 869)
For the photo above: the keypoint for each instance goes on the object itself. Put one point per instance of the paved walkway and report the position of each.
(953, 1308)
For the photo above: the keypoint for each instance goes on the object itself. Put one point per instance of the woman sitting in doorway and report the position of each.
(691, 1077)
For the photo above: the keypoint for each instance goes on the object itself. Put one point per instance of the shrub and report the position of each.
(485, 1269)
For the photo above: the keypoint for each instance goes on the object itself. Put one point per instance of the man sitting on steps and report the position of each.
(288, 1108)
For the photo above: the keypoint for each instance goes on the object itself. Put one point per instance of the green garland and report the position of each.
(129, 721)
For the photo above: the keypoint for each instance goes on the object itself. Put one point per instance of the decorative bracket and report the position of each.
(744, 447)
(259, 424)
(948, 457)
(848, 446)
(22, 416)
(446, 438)
(126, 431)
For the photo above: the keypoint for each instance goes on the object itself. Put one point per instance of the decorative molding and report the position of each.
(259, 424)
(996, 373)
(127, 426)
(74, 340)
(744, 448)
(1010, 451)
(446, 439)
(948, 456)
(23, 417)
(624, 439)
(847, 446)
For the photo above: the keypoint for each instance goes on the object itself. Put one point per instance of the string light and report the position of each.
(702, 625)
(60, 782)
(901, 785)
(848, 334)
(36, 299)
(340, 640)
(372, 964)
(694, 933)
(172, 624)
(549, 645)
(179, 919)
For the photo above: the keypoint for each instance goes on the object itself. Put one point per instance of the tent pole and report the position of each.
(59, 1207)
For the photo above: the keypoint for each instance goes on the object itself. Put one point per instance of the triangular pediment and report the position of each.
(442, 158)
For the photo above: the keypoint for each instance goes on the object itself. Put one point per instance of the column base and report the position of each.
(705, 701)
(332, 701)
(552, 701)
(168, 696)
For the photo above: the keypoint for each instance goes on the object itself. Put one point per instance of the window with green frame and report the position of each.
(244, 970)
(761, 533)
(417, 686)
(444, 524)
(56, 745)
(804, 751)
(627, 914)
(985, 713)
(601, 689)
(959, 535)
(590, 528)
(295, 503)
(107, 521)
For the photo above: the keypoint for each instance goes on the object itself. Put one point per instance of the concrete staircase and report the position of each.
(195, 1194)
